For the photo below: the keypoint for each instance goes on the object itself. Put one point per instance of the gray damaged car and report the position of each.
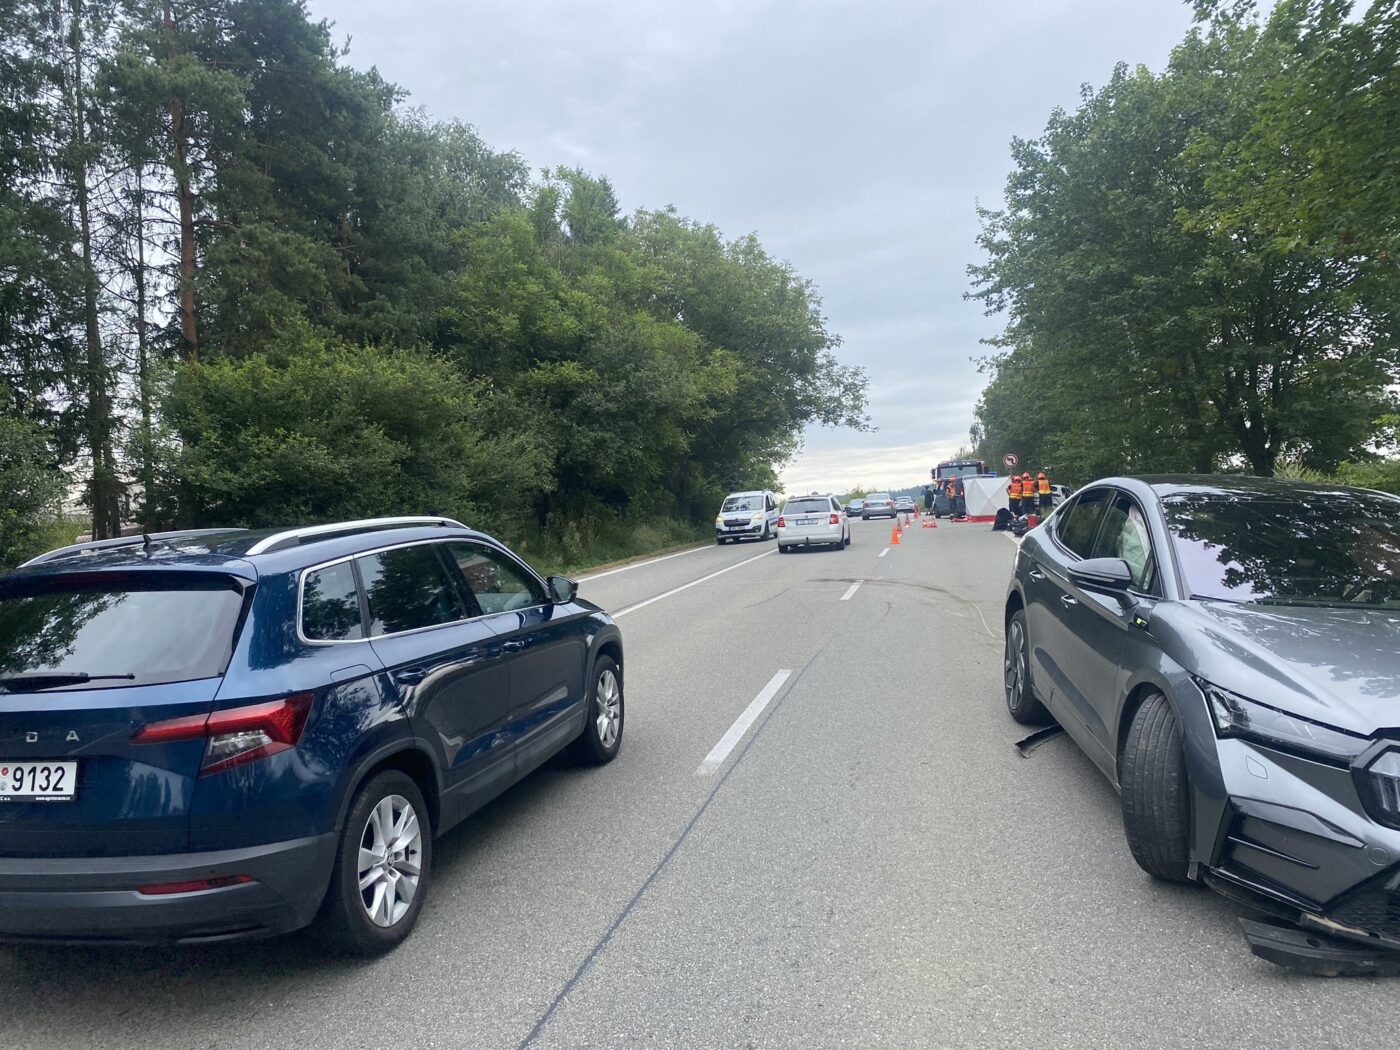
(1227, 651)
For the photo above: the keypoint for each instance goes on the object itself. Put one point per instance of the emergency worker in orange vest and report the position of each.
(1042, 486)
(1027, 493)
(1013, 494)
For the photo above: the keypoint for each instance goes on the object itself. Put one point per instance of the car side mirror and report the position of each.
(1105, 575)
(562, 589)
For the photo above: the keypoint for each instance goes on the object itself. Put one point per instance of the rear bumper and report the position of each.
(834, 535)
(79, 899)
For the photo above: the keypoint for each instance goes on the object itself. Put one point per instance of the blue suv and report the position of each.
(218, 734)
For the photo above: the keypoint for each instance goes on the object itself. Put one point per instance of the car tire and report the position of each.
(782, 548)
(848, 539)
(719, 541)
(764, 537)
(601, 738)
(352, 924)
(1156, 792)
(1016, 675)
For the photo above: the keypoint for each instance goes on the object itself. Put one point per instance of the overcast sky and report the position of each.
(855, 138)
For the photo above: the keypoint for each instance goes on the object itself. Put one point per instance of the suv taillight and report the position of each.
(239, 734)
(836, 519)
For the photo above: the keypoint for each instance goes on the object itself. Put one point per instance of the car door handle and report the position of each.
(512, 647)
(1067, 600)
(410, 675)
(1036, 574)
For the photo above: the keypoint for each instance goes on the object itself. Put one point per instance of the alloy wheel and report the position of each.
(1014, 664)
(608, 709)
(391, 855)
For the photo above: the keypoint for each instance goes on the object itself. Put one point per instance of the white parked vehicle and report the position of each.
(746, 515)
(810, 520)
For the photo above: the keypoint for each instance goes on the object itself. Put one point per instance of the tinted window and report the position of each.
(155, 630)
(877, 497)
(1077, 528)
(807, 506)
(409, 588)
(1124, 535)
(497, 583)
(330, 605)
(1321, 548)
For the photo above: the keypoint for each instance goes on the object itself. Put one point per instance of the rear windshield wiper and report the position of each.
(56, 679)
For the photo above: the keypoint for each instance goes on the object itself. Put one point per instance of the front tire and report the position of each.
(602, 732)
(1156, 792)
(382, 868)
(1016, 675)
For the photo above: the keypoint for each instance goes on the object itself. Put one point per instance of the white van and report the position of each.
(747, 515)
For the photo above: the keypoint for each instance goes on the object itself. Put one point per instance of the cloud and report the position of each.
(854, 138)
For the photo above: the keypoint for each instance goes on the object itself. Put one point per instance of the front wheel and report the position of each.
(1156, 799)
(382, 867)
(1016, 675)
(602, 733)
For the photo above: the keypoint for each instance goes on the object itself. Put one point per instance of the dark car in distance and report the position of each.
(1227, 651)
(222, 734)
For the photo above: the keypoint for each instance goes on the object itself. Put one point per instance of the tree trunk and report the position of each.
(106, 509)
(143, 372)
(179, 134)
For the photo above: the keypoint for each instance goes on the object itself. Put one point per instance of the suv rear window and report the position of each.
(807, 506)
(156, 630)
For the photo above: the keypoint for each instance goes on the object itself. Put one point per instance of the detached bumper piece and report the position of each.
(1316, 953)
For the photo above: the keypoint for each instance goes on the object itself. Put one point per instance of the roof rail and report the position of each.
(293, 537)
(124, 541)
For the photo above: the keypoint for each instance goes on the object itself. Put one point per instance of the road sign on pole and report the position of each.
(1010, 460)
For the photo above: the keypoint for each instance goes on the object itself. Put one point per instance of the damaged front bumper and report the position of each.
(1294, 840)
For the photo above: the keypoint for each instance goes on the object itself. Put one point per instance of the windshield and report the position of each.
(1313, 548)
(142, 629)
(807, 506)
(739, 504)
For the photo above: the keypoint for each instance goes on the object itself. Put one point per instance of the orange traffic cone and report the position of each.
(894, 536)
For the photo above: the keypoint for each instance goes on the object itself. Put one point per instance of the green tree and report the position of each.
(316, 429)
(1146, 333)
(32, 484)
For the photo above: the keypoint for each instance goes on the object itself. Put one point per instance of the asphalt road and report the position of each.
(872, 864)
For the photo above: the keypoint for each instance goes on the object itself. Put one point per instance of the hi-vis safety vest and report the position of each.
(1043, 484)
(1014, 489)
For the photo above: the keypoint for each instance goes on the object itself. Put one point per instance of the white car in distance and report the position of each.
(808, 521)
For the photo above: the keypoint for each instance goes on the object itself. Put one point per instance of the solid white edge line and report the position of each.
(851, 590)
(692, 583)
(883, 552)
(643, 564)
(741, 725)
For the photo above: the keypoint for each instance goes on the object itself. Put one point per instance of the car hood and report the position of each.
(1339, 666)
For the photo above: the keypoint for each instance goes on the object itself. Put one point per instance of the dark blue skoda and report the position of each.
(213, 735)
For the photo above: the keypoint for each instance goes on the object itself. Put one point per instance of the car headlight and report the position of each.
(1236, 716)
(756, 517)
(719, 520)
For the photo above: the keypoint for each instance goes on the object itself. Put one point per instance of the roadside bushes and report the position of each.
(316, 429)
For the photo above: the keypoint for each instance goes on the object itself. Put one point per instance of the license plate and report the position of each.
(806, 521)
(37, 781)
